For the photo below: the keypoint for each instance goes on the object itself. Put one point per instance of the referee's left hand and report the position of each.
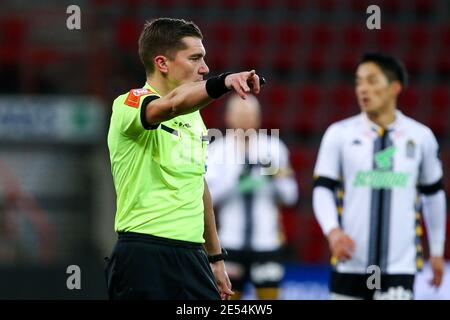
(223, 282)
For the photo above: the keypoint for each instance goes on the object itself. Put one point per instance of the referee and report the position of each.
(167, 245)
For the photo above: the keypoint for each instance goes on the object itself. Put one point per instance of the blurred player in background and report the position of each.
(157, 148)
(383, 160)
(248, 196)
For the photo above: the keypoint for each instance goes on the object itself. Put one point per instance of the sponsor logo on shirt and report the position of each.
(382, 177)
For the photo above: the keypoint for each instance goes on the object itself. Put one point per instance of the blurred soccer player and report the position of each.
(383, 160)
(249, 196)
(157, 148)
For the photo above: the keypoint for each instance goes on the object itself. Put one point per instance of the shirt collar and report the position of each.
(393, 126)
(148, 86)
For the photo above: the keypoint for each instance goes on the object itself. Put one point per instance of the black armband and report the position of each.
(432, 188)
(326, 183)
(215, 86)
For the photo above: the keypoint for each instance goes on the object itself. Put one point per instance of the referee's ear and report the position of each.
(161, 64)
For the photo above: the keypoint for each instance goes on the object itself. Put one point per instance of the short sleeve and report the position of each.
(130, 113)
(328, 159)
(431, 166)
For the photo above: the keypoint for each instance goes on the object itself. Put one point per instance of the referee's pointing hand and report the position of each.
(243, 83)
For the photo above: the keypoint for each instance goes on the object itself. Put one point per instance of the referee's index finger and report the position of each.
(251, 74)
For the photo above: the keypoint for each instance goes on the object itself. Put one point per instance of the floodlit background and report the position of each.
(57, 85)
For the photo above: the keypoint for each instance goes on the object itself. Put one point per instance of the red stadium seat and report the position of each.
(309, 97)
(198, 4)
(12, 30)
(393, 6)
(307, 102)
(386, 37)
(283, 63)
(359, 6)
(251, 60)
(231, 5)
(256, 34)
(348, 61)
(418, 36)
(327, 5)
(353, 36)
(217, 59)
(424, 7)
(303, 159)
(166, 4)
(127, 32)
(409, 101)
(263, 4)
(315, 62)
(438, 106)
(343, 101)
(414, 62)
(288, 34)
(444, 36)
(275, 98)
(440, 99)
(321, 35)
(277, 95)
(211, 116)
(442, 64)
(438, 124)
(224, 33)
(295, 5)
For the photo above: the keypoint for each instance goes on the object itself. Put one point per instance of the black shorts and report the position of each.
(148, 267)
(392, 286)
(262, 268)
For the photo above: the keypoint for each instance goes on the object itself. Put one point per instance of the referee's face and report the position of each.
(188, 65)
(374, 91)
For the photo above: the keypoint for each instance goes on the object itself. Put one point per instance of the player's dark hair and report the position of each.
(163, 36)
(391, 67)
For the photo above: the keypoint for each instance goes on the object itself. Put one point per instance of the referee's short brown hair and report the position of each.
(163, 36)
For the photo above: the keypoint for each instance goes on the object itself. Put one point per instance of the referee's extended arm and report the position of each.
(193, 96)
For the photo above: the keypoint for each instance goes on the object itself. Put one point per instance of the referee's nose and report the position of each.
(203, 70)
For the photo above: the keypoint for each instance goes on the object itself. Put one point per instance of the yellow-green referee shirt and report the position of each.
(157, 172)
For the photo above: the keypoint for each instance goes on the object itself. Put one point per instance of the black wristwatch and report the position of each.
(217, 257)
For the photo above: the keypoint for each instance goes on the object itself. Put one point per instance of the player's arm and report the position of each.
(325, 210)
(434, 205)
(193, 96)
(284, 180)
(327, 171)
(434, 213)
(212, 246)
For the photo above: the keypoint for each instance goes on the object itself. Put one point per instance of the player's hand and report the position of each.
(222, 279)
(437, 266)
(341, 245)
(243, 83)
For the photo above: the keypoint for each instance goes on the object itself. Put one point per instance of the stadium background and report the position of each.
(57, 85)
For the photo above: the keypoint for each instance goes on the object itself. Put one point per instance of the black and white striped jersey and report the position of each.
(381, 172)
